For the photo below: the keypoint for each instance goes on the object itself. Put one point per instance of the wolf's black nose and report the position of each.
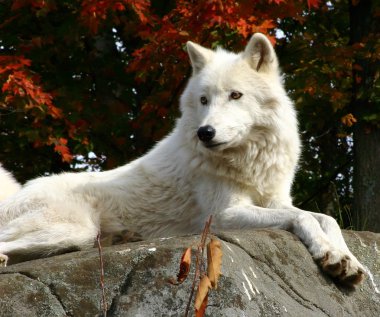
(206, 133)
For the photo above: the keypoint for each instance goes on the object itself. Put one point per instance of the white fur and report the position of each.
(8, 185)
(244, 182)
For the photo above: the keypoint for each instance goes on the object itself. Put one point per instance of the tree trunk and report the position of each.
(367, 178)
(366, 185)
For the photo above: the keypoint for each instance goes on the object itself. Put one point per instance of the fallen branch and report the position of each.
(198, 263)
(101, 264)
(204, 280)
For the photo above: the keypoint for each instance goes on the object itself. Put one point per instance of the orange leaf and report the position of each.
(66, 157)
(62, 141)
(204, 286)
(214, 261)
(202, 309)
(184, 267)
(349, 120)
(55, 112)
(62, 149)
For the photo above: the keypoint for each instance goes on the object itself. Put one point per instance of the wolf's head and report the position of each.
(232, 98)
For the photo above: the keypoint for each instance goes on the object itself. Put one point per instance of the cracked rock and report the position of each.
(265, 273)
(22, 296)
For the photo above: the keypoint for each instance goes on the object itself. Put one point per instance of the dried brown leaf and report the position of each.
(214, 261)
(201, 311)
(349, 120)
(184, 267)
(204, 286)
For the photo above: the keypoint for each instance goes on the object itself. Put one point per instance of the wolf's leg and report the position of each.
(331, 228)
(42, 238)
(50, 240)
(333, 231)
(334, 259)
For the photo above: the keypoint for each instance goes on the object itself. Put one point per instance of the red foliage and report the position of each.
(20, 82)
(61, 148)
(94, 12)
(34, 4)
(313, 3)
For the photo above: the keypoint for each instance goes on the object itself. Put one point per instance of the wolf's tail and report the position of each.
(8, 184)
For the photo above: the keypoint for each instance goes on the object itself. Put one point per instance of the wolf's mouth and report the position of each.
(212, 145)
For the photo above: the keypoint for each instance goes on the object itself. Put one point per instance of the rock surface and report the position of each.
(265, 273)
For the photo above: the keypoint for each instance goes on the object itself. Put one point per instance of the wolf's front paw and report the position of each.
(3, 260)
(345, 269)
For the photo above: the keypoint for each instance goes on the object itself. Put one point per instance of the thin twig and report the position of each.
(104, 301)
(198, 262)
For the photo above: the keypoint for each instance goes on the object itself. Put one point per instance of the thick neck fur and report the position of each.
(240, 164)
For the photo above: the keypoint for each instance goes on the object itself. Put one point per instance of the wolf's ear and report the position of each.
(260, 54)
(199, 55)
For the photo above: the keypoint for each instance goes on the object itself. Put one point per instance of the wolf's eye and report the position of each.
(204, 100)
(235, 95)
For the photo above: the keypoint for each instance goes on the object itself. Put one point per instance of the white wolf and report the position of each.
(233, 153)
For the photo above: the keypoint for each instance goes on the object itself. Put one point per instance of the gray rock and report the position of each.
(265, 273)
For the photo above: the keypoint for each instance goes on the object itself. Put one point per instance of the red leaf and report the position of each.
(202, 309)
(184, 267)
(64, 151)
(118, 6)
(141, 7)
(202, 293)
(5, 86)
(55, 112)
(313, 3)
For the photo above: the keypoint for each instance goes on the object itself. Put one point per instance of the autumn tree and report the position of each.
(365, 104)
(331, 61)
(56, 48)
